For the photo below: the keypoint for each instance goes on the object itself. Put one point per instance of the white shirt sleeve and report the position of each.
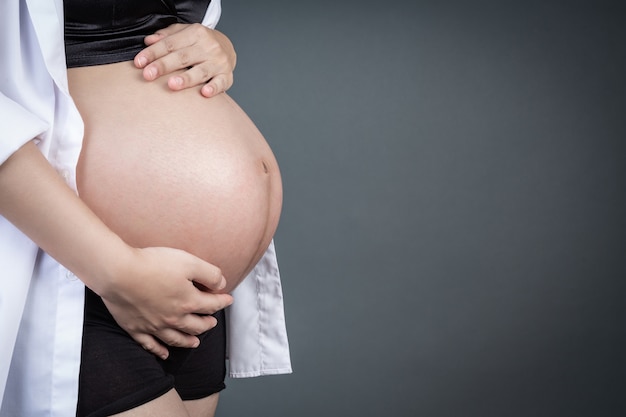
(213, 14)
(18, 127)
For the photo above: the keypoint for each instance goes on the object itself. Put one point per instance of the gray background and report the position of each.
(453, 237)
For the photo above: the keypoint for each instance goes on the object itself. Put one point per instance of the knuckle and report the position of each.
(217, 273)
(169, 45)
(217, 87)
(150, 328)
(184, 58)
(187, 306)
(170, 338)
(199, 29)
(194, 331)
(204, 73)
(170, 341)
(220, 59)
(205, 326)
(228, 82)
(171, 322)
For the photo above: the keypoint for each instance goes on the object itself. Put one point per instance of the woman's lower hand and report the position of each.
(164, 296)
(207, 57)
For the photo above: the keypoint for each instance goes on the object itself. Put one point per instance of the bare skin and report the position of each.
(183, 172)
(171, 405)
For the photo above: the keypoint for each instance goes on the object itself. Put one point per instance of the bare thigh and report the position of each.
(171, 405)
(204, 407)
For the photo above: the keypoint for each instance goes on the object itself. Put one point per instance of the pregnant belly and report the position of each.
(175, 169)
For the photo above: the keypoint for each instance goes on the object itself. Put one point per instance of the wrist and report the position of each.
(109, 268)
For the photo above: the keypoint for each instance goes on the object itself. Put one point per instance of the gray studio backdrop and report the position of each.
(453, 239)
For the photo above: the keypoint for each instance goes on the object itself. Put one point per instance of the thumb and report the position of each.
(207, 276)
(162, 33)
(218, 84)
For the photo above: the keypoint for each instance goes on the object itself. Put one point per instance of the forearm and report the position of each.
(150, 292)
(38, 202)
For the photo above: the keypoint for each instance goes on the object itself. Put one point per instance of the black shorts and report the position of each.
(117, 374)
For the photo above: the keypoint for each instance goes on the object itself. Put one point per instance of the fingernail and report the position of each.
(152, 72)
(178, 81)
(142, 61)
(222, 283)
(209, 90)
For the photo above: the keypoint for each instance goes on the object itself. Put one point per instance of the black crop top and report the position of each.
(101, 32)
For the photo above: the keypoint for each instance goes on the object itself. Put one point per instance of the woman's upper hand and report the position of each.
(206, 55)
(165, 295)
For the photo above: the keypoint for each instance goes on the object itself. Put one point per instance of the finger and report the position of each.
(169, 52)
(204, 275)
(209, 303)
(218, 84)
(180, 59)
(151, 53)
(151, 344)
(176, 338)
(175, 42)
(152, 39)
(163, 33)
(196, 75)
(195, 324)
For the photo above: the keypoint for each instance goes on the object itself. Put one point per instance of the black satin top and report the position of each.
(101, 32)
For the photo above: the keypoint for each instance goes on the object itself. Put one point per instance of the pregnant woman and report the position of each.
(182, 172)
(157, 170)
